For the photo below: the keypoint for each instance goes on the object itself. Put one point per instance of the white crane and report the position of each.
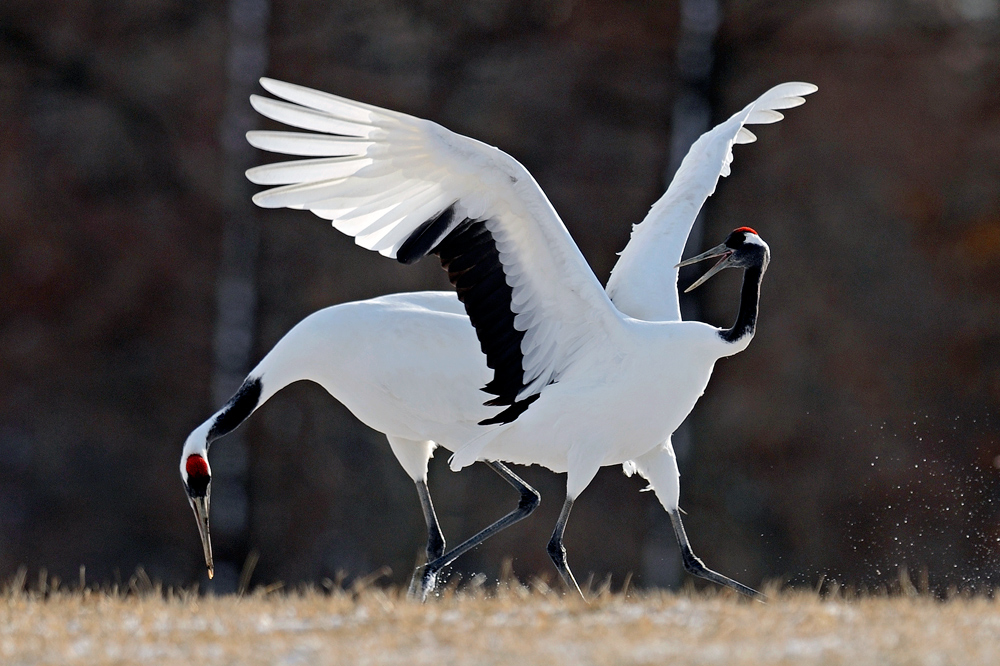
(577, 383)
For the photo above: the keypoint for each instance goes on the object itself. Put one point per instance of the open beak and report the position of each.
(200, 506)
(718, 251)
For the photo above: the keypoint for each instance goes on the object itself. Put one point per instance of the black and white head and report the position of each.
(197, 477)
(196, 473)
(743, 248)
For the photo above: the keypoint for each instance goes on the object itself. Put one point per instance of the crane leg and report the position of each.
(557, 551)
(694, 566)
(529, 500)
(435, 537)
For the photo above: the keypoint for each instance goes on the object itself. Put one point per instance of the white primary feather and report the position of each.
(301, 143)
(310, 119)
(307, 170)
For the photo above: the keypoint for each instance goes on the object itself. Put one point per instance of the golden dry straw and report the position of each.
(140, 623)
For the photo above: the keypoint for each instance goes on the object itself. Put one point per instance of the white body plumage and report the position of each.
(611, 406)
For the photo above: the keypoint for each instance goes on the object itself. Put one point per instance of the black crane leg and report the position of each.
(528, 502)
(557, 551)
(696, 567)
(435, 538)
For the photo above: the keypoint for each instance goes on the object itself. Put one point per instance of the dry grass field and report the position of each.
(511, 624)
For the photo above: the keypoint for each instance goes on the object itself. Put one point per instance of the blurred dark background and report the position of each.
(856, 435)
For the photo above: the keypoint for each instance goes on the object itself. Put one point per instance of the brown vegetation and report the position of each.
(509, 624)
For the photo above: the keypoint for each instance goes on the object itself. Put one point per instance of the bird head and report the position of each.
(197, 477)
(743, 248)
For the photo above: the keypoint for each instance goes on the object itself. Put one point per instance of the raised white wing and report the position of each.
(643, 283)
(407, 187)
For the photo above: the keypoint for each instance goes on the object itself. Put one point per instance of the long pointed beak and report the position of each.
(200, 506)
(717, 251)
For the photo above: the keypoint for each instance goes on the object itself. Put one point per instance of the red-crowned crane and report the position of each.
(580, 380)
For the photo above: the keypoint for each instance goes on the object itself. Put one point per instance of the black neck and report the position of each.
(237, 410)
(746, 320)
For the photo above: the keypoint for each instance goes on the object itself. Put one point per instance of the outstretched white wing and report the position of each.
(407, 187)
(643, 283)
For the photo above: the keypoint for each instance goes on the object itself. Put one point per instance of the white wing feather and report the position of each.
(379, 174)
(643, 283)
